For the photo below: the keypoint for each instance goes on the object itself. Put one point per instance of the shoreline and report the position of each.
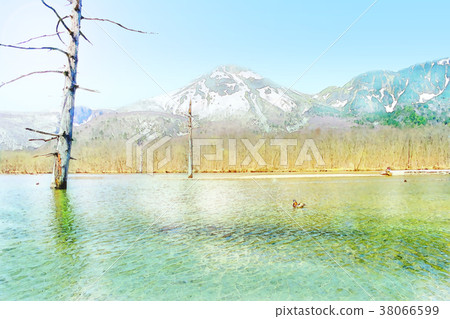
(263, 175)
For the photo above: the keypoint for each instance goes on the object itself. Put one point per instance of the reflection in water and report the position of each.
(67, 248)
(64, 221)
(225, 239)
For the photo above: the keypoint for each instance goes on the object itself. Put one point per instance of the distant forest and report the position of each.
(411, 145)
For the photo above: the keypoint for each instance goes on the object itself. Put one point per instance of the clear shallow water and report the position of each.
(358, 238)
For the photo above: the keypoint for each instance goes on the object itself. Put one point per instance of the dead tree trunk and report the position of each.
(64, 136)
(64, 145)
(191, 146)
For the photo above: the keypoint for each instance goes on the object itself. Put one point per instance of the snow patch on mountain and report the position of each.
(424, 97)
(444, 61)
(277, 97)
(390, 108)
(218, 75)
(339, 103)
(250, 75)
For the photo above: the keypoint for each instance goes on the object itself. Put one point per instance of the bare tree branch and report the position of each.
(52, 154)
(32, 73)
(61, 20)
(42, 132)
(84, 37)
(57, 27)
(39, 37)
(86, 89)
(43, 139)
(46, 155)
(118, 24)
(59, 17)
(33, 48)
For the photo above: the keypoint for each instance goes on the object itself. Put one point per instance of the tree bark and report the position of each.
(64, 145)
(191, 147)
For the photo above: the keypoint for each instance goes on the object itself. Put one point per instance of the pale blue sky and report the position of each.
(277, 39)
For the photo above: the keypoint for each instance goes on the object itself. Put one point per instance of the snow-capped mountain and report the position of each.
(13, 135)
(426, 83)
(231, 92)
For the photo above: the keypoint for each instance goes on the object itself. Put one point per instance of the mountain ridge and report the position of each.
(369, 92)
(415, 85)
(242, 97)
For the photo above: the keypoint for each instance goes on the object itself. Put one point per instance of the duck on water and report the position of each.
(295, 204)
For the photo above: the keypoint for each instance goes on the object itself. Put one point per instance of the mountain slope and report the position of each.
(378, 91)
(231, 92)
(13, 135)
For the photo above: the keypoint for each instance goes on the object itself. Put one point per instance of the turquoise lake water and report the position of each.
(163, 237)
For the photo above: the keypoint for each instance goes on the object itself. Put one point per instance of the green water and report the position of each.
(137, 237)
